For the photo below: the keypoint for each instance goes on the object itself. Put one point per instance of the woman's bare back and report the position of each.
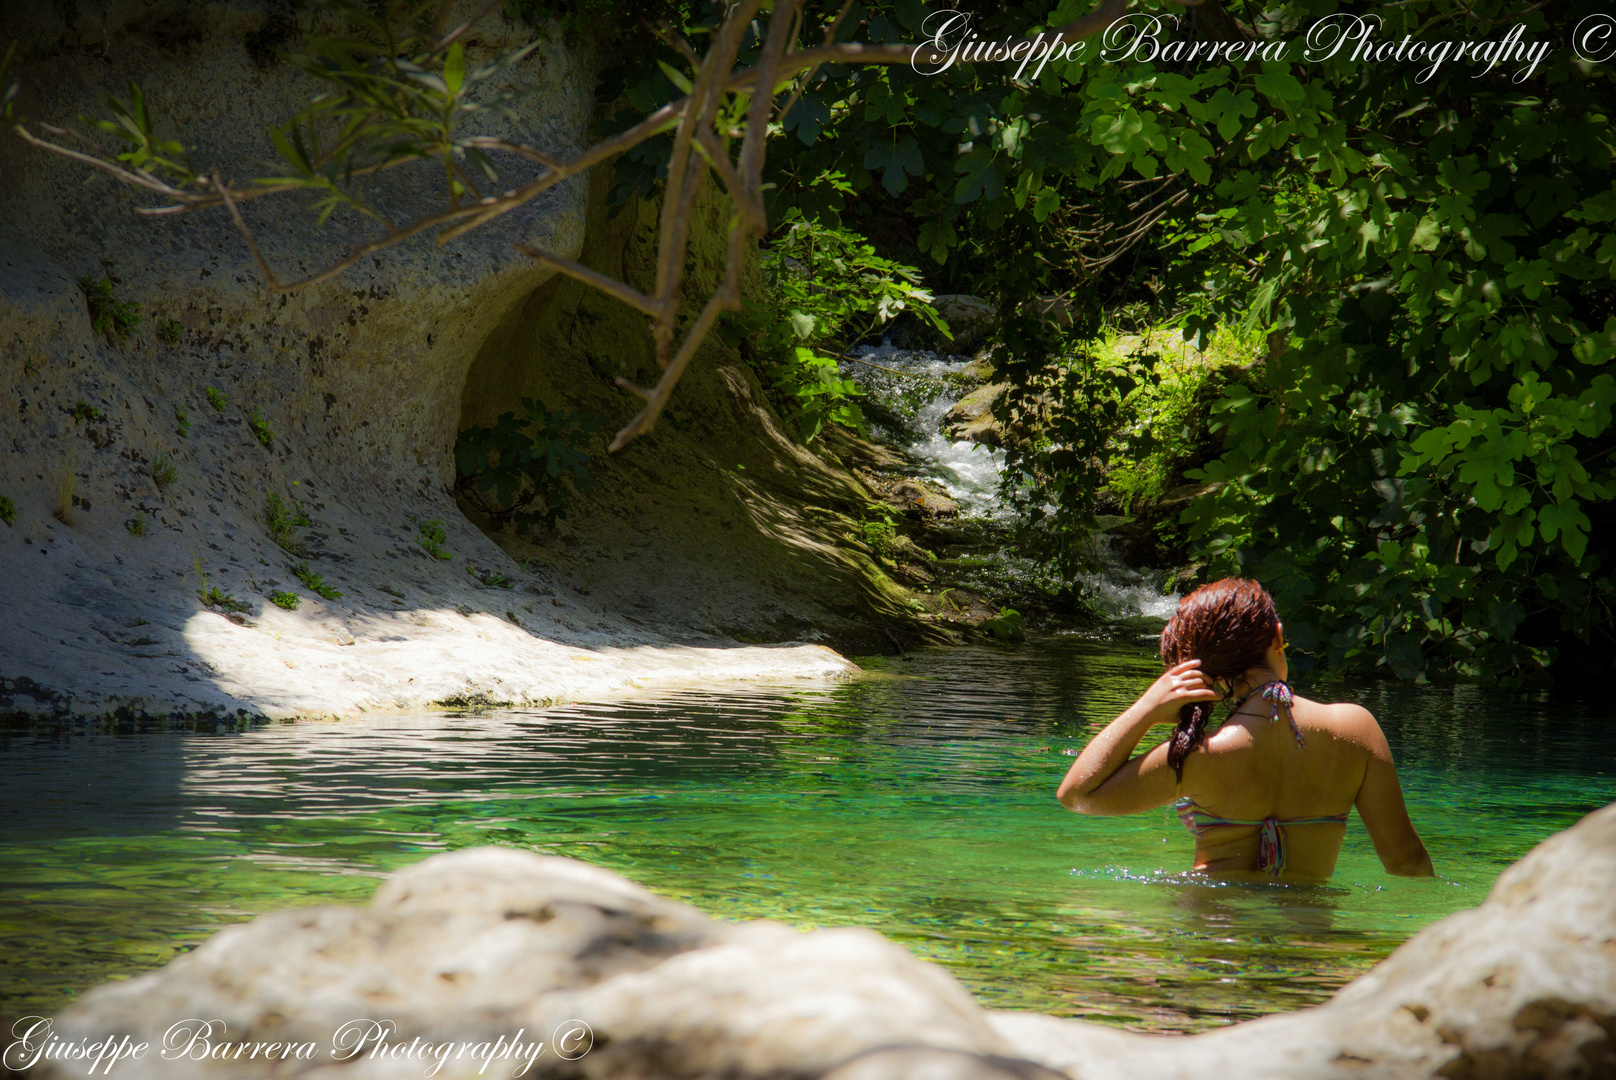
(1253, 768)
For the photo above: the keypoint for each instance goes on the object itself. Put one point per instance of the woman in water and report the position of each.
(1269, 789)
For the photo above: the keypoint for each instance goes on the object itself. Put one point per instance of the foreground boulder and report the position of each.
(488, 947)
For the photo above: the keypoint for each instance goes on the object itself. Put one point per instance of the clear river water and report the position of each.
(917, 799)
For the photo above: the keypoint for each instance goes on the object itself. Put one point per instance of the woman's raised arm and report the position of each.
(1106, 778)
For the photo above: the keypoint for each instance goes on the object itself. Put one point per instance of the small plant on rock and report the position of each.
(182, 422)
(881, 534)
(137, 525)
(216, 398)
(261, 429)
(8, 510)
(431, 537)
(212, 595)
(163, 472)
(169, 331)
(110, 317)
(282, 516)
(491, 578)
(83, 410)
(286, 600)
(313, 582)
(214, 598)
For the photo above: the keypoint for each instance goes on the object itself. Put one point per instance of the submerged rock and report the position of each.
(485, 944)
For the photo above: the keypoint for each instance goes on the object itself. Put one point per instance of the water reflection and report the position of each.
(917, 801)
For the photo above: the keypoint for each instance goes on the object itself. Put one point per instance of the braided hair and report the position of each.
(1228, 626)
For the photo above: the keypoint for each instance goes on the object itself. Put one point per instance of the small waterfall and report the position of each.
(910, 393)
(913, 392)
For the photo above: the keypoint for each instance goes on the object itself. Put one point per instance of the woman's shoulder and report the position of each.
(1342, 718)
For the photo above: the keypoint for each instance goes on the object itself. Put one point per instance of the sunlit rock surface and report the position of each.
(482, 943)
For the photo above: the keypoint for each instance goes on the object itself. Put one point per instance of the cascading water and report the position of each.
(911, 393)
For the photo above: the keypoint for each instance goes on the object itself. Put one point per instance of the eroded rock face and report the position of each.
(483, 943)
(141, 465)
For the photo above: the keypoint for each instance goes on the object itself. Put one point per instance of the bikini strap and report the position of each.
(1276, 693)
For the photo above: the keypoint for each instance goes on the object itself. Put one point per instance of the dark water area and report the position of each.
(917, 800)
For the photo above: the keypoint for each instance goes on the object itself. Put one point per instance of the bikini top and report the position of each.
(1271, 840)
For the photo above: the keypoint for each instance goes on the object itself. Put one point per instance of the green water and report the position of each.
(917, 800)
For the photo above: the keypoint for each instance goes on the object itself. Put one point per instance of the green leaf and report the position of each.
(454, 69)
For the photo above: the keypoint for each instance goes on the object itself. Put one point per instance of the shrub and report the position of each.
(826, 290)
(136, 525)
(163, 471)
(431, 537)
(182, 422)
(525, 470)
(110, 317)
(216, 398)
(8, 510)
(83, 410)
(286, 600)
(282, 516)
(169, 331)
(261, 429)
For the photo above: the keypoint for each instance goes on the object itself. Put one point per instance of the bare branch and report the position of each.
(489, 142)
(728, 296)
(609, 285)
(136, 177)
(252, 245)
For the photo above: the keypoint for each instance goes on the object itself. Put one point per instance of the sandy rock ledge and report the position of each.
(482, 943)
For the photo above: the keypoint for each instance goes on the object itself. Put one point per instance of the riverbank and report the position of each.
(234, 503)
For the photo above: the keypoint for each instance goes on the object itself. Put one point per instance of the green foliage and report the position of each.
(1122, 412)
(283, 516)
(170, 332)
(525, 469)
(110, 317)
(163, 472)
(83, 410)
(1420, 465)
(132, 123)
(285, 600)
(137, 525)
(182, 422)
(393, 97)
(1006, 626)
(825, 291)
(216, 398)
(314, 582)
(261, 429)
(431, 537)
(8, 510)
(880, 534)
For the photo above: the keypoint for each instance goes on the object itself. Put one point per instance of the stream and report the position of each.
(917, 800)
(910, 393)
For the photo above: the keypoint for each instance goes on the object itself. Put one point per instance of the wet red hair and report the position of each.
(1228, 626)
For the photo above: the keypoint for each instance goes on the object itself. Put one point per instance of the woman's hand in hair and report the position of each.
(1105, 779)
(1180, 685)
